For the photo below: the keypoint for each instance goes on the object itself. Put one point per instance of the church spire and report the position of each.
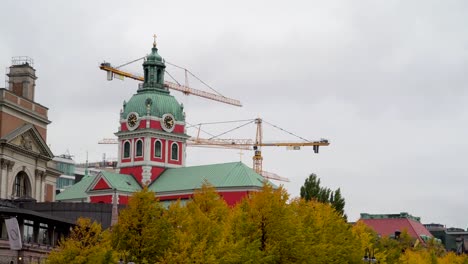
(154, 68)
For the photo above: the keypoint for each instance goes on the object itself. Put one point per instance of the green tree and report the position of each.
(338, 202)
(87, 243)
(142, 234)
(311, 190)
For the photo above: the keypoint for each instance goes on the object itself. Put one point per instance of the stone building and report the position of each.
(25, 158)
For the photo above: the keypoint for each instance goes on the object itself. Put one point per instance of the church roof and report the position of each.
(76, 191)
(186, 179)
(224, 175)
(121, 182)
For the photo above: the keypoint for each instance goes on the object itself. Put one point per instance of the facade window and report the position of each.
(146, 75)
(139, 148)
(21, 185)
(175, 151)
(28, 231)
(157, 149)
(43, 235)
(126, 150)
(64, 182)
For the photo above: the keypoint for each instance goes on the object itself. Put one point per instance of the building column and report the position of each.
(3, 178)
(6, 166)
(147, 149)
(38, 188)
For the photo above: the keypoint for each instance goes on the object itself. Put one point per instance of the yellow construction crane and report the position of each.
(247, 144)
(256, 145)
(111, 71)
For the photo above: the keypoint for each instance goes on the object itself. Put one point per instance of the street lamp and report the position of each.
(369, 256)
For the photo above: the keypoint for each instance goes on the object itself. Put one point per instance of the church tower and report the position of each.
(151, 135)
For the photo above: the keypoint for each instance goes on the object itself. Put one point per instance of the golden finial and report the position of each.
(154, 42)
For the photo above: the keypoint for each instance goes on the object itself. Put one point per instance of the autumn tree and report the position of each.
(200, 229)
(142, 234)
(312, 190)
(87, 243)
(328, 238)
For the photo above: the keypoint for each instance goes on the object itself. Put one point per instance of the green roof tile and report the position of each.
(225, 175)
(77, 190)
(121, 182)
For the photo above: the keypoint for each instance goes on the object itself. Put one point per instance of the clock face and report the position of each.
(132, 120)
(168, 122)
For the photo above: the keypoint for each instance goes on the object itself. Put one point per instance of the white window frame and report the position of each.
(136, 148)
(130, 150)
(175, 143)
(154, 149)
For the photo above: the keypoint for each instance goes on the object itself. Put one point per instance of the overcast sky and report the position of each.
(384, 81)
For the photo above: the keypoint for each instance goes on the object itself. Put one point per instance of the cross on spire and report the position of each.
(154, 42)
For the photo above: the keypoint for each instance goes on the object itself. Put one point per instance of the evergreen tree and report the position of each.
(338, 202)
(311, 190)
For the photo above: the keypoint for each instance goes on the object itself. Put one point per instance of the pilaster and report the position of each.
(38, 185)
(6, 167)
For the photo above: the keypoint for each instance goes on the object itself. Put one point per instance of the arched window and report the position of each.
(158, 76)
(21, 186)
(126, 153)
(175, 151)
(157, 149)
(139, 148)
(146, 75)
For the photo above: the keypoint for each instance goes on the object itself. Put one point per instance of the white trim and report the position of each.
(123, 149)
(154, 148)
(154, 118)
(136, 148)
(176, 143)
(149, 163)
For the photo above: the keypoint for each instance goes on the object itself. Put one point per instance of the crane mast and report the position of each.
(257, 158)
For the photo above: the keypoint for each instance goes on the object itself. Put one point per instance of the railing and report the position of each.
(20, 60)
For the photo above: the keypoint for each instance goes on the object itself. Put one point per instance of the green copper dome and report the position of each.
(152, 97)
(160, 103)
(153, 56)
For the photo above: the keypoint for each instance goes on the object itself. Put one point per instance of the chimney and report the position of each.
(22, 77)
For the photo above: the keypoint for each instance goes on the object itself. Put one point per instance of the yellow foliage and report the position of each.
(142, 234)
(451, 258)
(87, 243)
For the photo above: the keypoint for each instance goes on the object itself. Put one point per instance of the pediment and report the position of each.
(99, 183)
(28, 138)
